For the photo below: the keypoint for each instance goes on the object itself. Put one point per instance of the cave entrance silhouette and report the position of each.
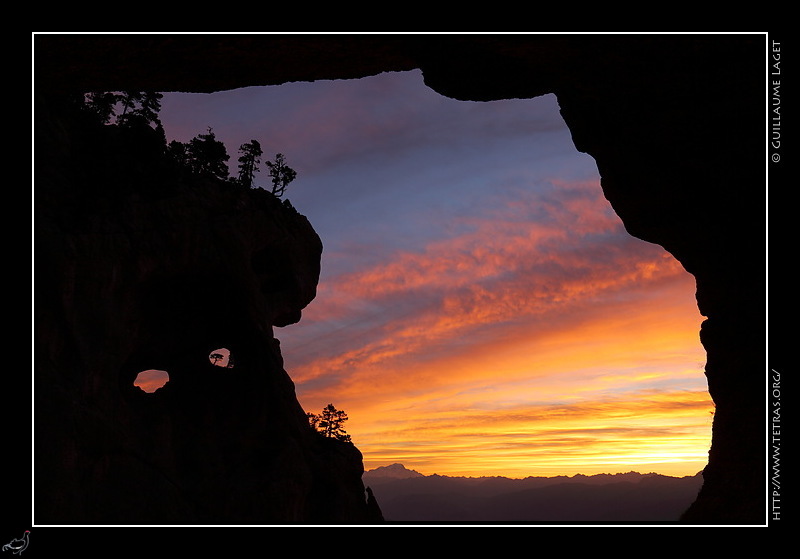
(462, 241)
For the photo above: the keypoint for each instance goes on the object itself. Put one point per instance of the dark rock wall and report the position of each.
(673, 122)
(139, 268)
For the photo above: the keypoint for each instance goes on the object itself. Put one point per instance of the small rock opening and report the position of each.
(151, 380)
(221, 358)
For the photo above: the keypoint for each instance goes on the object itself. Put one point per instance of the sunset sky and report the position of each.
(481, 309)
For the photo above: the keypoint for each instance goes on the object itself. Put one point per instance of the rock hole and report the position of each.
(151, 380)
(221, 358)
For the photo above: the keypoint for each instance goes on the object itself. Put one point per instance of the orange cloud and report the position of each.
(536, 336)
(461, 312)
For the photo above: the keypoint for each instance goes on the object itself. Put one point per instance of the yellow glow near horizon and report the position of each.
(521, 360)
(668, 433)
(605, 397)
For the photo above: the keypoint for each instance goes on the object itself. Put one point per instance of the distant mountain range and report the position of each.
(407, 496)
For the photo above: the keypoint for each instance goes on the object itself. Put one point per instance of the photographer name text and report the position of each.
(775, 100)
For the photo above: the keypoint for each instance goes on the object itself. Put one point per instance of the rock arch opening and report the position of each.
(151, 380)
(515, 277)
(221, 358)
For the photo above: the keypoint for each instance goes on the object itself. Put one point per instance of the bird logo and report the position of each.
(17, 546)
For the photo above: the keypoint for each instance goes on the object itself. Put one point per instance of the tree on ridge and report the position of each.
(137, 107)
(281, 174)
(248, 162)
(330, 423)
(207, 156)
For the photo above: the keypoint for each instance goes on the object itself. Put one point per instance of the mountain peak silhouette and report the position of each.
(408, 496)
(392, 471)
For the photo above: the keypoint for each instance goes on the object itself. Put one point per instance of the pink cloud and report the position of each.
(496, 275)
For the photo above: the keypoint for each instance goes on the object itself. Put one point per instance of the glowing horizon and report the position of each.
(461, 357)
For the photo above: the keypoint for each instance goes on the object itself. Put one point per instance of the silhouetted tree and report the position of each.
(150, 106)
(330, 423)
(281, 174)
(102, 104)
(139, 106)
(179, 153)
(313, 420)
(205, 155)
(248, 162)
(129, 100)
